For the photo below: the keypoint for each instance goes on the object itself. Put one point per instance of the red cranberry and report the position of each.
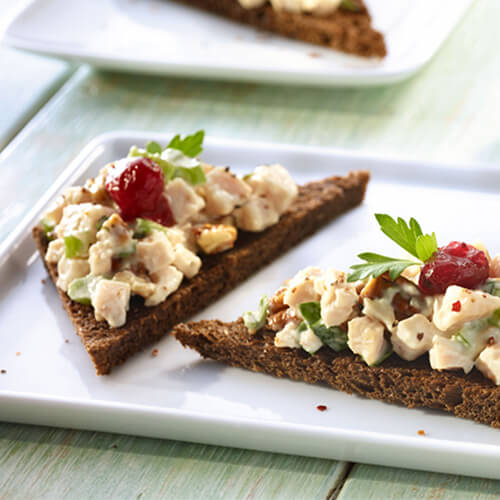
(455, 264)
(138, 192)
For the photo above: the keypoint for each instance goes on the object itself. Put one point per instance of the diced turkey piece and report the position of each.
(449, 354)
(167, 281)
(488, 363)
(223, 190)
(365, 336)
(117, 232)
(338, 298)
(138, 285)
(81, 221)
(77, 194)
(413, 337)
(309, 341)
(256, 215)
(186, 261)
(288, 336)
(381, 310)
(301, 287)
(70, 269)
(182, 235)
(110, 300)
(55, 250)
(100, 258)
(459, 305)
(215, 238)
(184, 201)
(273, 183)
(97, 188)
(155, 251)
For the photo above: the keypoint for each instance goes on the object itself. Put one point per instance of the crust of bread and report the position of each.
(317, 203)
(344, 30)
(413, 384)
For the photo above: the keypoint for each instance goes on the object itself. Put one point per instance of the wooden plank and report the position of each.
(369, 482)
(27, 82)
(38, 462)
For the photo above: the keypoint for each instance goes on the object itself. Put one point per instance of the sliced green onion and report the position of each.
(255, 320)
(334, 337)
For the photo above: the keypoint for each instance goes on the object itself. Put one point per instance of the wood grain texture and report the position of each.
(369, 482)
(38, 462)
(27, 82)
(448, 112)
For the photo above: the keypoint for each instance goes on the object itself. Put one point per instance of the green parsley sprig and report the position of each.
(351, 5)
(408, 236)
(177, 158)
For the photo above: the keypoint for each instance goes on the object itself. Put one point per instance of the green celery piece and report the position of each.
(334, 337)
(460, 338)
(73, 246)
(492, 287)
(255, 320)
(144, 226)
(494, 319)
(48, 225)
(80, 289)
(311, 312)
(191, 145)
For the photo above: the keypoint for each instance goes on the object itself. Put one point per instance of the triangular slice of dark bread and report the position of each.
(345, 30)
(317, 203)
(412, 384)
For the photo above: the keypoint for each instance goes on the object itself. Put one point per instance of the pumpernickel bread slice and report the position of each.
(317, 204)
(412, 384)
(346, 30)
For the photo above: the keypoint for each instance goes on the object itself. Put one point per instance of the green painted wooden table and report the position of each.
(449, 112)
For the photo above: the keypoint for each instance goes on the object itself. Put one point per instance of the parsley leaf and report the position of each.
(255, 320)
(191, 145)
(377, 265)
(408, 236)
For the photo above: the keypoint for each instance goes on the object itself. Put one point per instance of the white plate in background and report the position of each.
(165, 37)
(179, 396)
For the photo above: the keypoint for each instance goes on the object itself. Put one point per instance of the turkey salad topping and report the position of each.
(375, 316)
(138, 226)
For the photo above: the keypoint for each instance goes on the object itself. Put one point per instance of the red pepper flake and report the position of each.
(456, 306)
(154, 353)
(491, 341)
(321, 407)
(420, 336)
(421, 432)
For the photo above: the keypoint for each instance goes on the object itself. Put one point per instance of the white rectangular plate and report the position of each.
(177, 395)
(161, 36)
